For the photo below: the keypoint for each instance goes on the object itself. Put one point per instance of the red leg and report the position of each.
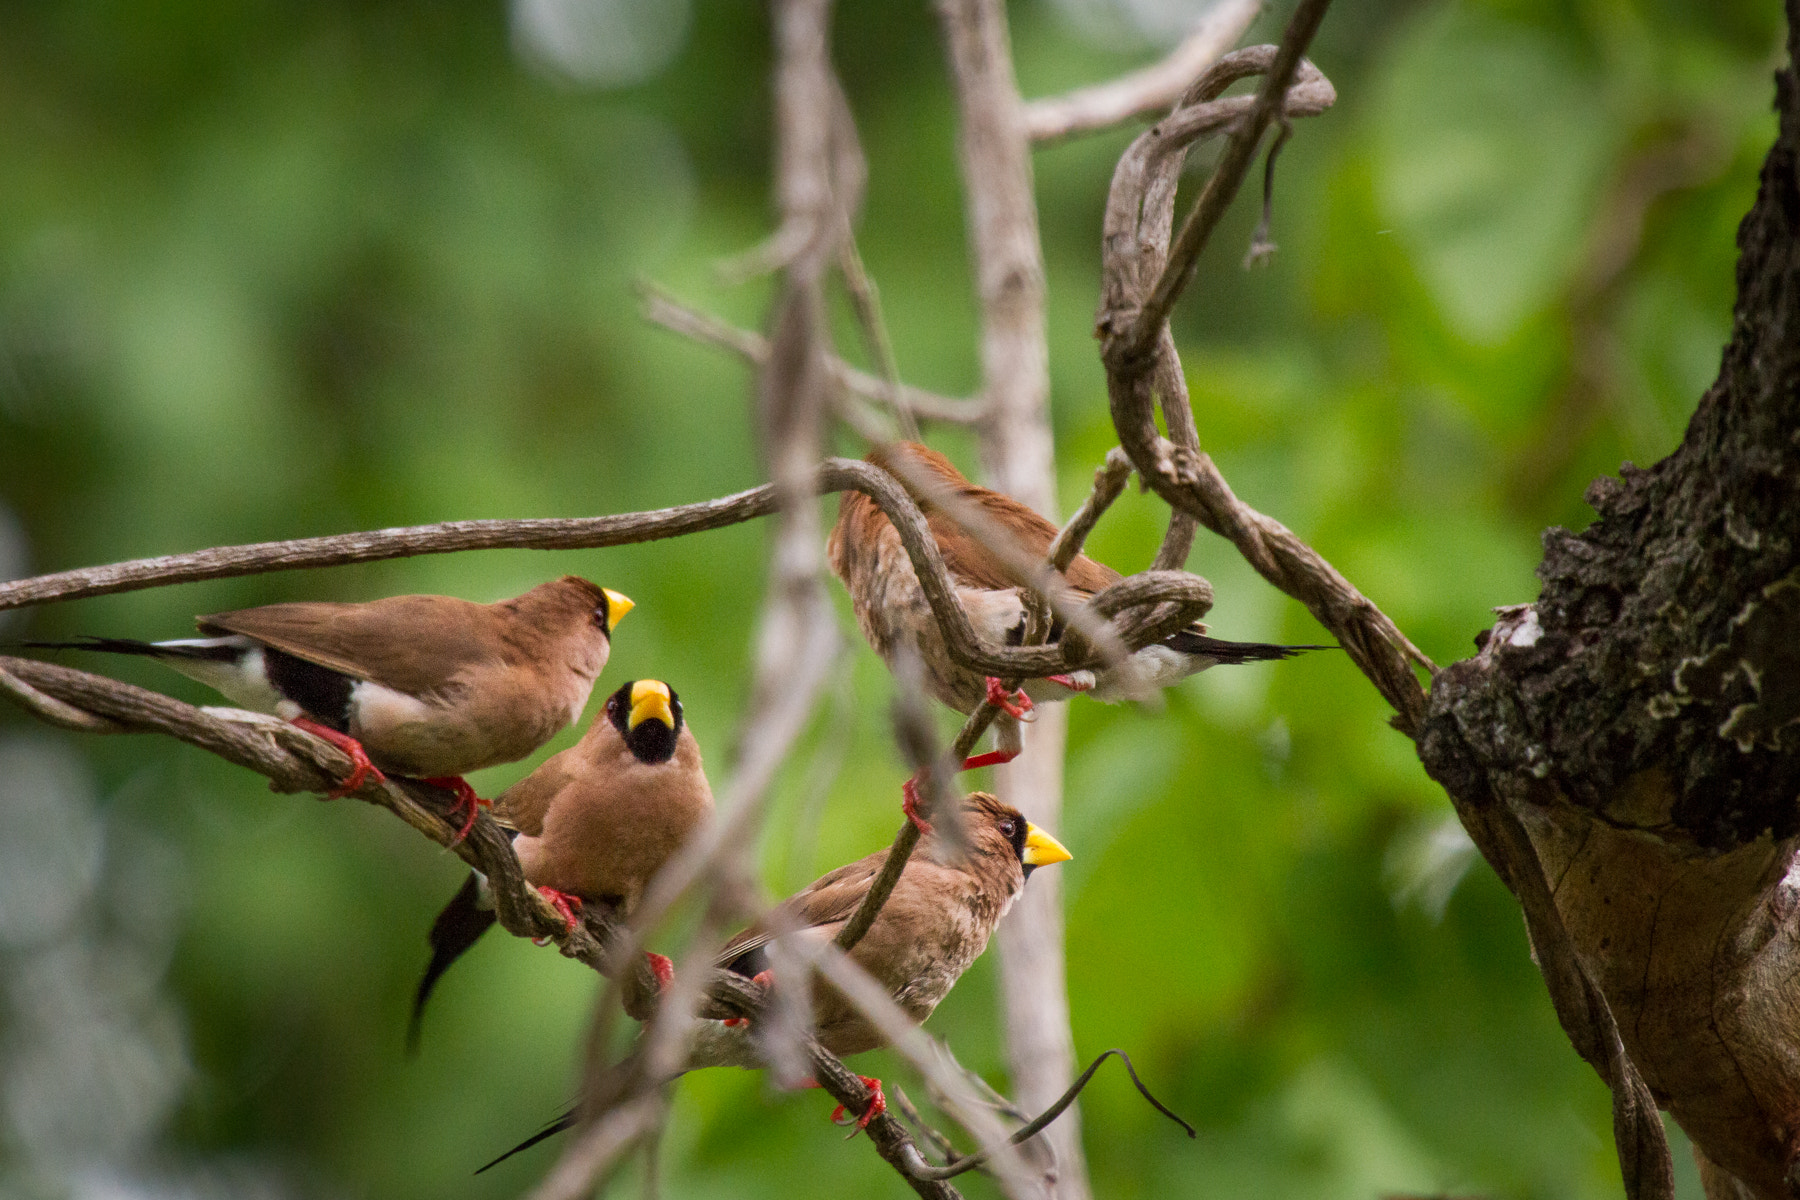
(1013, 704)
(767, 979)
(361, 769)
(466, 800)
(1069, 682)
(662, 968)
(992, 758)
(564, 903)
(909, 804)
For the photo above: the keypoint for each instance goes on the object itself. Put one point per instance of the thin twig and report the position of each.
(1109, 481)
(660, 308)
(915, 1046)
(296, 761)
(1222, 185)
(923, 1128)
(573, 1176)
(908, 837)
(1146, 90)
(1038, 1124)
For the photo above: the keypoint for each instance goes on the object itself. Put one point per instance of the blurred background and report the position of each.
(276, 270)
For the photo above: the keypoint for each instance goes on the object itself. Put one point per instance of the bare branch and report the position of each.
(908, 837)
(573, 1176)
(1109, 481)
(886, 1134)
(1140, 207)
(1039, 1123)
(1221, 187)
(224, 562)
(296, 761)
(1147, 90)
(835, 474)
(1139, 213)
(919, 1049)
(753, 348)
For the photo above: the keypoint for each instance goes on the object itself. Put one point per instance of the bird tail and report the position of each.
(206, 649)
(1189, 642)
(566, 1121)
(459, 926)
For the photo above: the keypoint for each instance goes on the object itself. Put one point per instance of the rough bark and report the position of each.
(1640, 724)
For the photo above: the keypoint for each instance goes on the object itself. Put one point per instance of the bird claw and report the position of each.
(361, 769)
(1070, 682)
(466, 800)
(1014, 704)
(992, 758)
(564, 903)
(662, 968)
(877, 1106)
(909, 804)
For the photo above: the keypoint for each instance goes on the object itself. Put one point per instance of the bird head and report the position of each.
(647, 714)
(564, 604)
(992, 825)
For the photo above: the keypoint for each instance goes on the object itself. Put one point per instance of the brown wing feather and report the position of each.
(827, 900)
(412, 644)
(967, 559)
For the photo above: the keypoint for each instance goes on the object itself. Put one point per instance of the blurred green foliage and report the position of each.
(276, 270)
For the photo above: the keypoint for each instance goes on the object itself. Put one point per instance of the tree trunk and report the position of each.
(1640, 726)
(1017, 451)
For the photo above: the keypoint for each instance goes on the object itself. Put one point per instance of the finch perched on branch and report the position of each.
(935, 923)
(426, 686)
(593, 824)
(867, 554)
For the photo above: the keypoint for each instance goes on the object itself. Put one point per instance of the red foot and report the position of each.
(992, 758)
(877, 1106)
(909, 804)
(767, 979)
(361, 769)
(1069, 682)
(564, 903)
(466, 800)
(662, 968)
(1013, 704)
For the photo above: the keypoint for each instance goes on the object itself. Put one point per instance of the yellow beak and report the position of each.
(1041, 849)
(617, 605)
(649, 698)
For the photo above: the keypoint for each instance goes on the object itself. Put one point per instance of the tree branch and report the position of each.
(1146, 90)
(836, 474)
(660, 308)
(1221, 187)
(1139, 213)
(296, 761)
(1018, 455)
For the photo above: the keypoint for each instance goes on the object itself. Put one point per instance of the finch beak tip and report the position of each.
(1041, 849)
(650, 700)
(617, 605)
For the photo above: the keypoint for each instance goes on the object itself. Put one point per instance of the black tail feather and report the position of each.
(114, 645)
(459, 926)
(1219, 650)
(566, 1121)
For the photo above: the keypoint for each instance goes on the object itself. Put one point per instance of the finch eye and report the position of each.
(1008, 828)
